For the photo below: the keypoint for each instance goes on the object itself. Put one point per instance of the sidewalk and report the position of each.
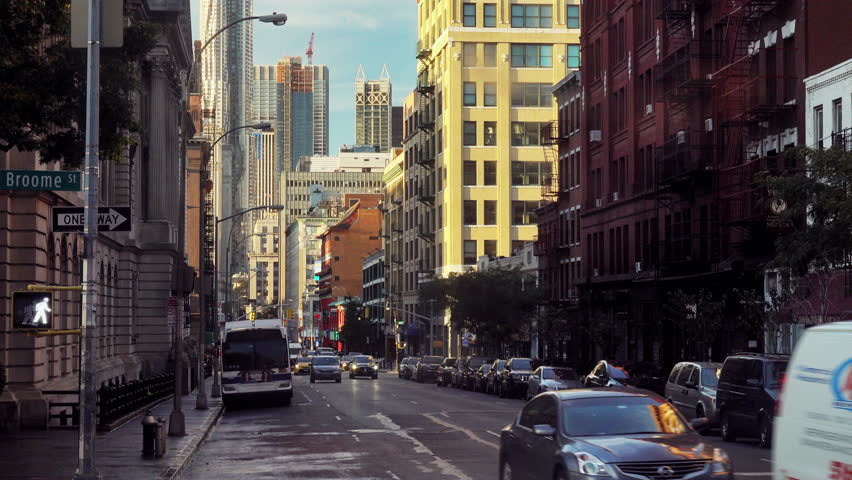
(52, 454)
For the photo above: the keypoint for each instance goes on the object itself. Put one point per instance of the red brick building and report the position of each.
(685, 104)
(344, 247)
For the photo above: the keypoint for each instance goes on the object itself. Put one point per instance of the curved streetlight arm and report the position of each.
(262, 207)
(387, 307)
(227, 133)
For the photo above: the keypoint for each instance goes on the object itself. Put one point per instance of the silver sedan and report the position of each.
(551, 379)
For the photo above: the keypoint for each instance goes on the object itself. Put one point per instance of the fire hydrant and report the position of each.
(153, 436)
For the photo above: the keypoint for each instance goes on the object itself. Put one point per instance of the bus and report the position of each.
(256, 362)
(324, 351)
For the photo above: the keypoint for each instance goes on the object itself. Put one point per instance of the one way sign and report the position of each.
(110, 219)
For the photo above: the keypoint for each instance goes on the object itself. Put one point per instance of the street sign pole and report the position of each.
(88, 401)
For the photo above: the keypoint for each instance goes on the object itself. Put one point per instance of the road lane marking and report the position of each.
(493, 433)
(501, 403)
(393, 395)
(446, 468)
(465, 431)
(328, 405)
(412, 401)
(392, 475)
(752, 474)
(766, 460)
(338, 419)
(445, 414)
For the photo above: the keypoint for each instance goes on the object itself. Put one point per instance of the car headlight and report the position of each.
(589, 464)
(375, 367)
(721, 462)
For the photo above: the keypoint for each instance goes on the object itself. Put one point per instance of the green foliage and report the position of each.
(270, 311)
(43, 84)
(356, 329)
(697, 317)
(819, 210)
(497, 305)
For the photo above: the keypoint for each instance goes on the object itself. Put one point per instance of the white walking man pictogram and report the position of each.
(42, 308)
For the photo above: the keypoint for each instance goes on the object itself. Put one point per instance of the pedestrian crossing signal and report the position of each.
(32, 310)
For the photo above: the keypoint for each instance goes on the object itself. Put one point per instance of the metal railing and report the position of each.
(117, 401)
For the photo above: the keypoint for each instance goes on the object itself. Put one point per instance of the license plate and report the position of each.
(524, 378)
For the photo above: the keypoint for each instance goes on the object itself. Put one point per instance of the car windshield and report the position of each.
(254, 350)
(500, 365)
(362, 359)
(304, 360)
(776, 371)
(432, 360)
(486, 368)
(618, 372)
(632, 415)
(710, 376)
(325, 361)
(558, 374)
(521, 364)
(476, 362)
(345, 358)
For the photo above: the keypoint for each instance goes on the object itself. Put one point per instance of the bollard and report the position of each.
(161, 436)
(150, 428)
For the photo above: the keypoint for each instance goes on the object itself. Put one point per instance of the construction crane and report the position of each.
(310, 51)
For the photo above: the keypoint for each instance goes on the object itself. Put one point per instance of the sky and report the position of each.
(348, 33)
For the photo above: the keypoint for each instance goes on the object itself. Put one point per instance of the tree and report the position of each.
(43, 84)
(497, 305)
(268, 311)
(697, 318)
(554, 327)
(356, 329)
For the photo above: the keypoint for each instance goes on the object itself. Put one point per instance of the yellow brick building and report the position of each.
(486, 71)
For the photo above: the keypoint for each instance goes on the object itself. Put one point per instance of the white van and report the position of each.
(813, 424)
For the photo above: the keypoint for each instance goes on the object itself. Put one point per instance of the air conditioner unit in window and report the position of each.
(708, 124)
(681, 136)
(596, 273)
(638, 267)
(614, 196)
(594, 135)
(649, 109)
(598, 202)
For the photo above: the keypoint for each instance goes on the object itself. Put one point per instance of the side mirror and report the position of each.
(700, 424)
(691, 385)
(544, 430)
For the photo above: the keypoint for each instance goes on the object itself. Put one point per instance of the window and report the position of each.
(532, 16)
(818, 126)
(469, 176)
(469, 14)
(490, 212)
(523, 213)
(469, 137)
(489, 13)
(469, 98)
(573, 56)
(490, 248)
(490, 94)
(490, 130)
(531, 95)
(469, 252)
(490, 173)
(470, 212)
(529, 173)
(526, 134)
(573, 16)
(837, 115)
(532, 55)
(469, 54)
(490, 54)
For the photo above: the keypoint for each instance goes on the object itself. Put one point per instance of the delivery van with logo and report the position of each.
(813, 421)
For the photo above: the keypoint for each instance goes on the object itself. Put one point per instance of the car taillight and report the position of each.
(780, 394)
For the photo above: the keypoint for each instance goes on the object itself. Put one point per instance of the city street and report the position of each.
(379, 429)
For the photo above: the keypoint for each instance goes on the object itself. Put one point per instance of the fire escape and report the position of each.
(546, 242)
(424, 184)
(209, 251)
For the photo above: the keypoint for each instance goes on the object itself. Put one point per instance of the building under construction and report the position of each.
(687, 105)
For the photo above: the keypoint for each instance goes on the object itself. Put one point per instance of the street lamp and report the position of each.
(216, 390)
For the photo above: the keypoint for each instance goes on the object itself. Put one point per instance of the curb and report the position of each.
(184, 458)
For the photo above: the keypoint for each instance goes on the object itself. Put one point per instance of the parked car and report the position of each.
(409, 369)
(471, 366)
(345, 361)
(747, 395)
(325, 368)
(551, 379)
(461, 365)
(403, 364)
(691, 388)
(303, 366)
(427, 369)
(445, 371)
(812, 399)
(514, 377)
(606, 374)
(480, 377)
(616, 433)
(363, 366)
(493, 378)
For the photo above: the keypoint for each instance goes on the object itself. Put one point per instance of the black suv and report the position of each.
(513, 378)
(492, 378)
(427, 369)
(445, 371)
(748, 390)
(468, 370)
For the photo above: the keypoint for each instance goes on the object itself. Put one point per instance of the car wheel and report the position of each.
(560, 474)
(287, 400)
(375, 376)
(765, 432)
(351, 376)
(501, 391)
(728, 434)
(505, 470)
(313, 380)
(338, 380)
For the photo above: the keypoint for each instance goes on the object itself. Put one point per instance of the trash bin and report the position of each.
(161, 436)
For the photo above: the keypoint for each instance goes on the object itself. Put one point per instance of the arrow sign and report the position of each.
(110, 219)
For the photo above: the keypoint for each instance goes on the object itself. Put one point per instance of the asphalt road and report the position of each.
(380, 429)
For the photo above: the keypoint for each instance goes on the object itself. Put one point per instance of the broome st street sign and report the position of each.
(110, 219)
(40, 180)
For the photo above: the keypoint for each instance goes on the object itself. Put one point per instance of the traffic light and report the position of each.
(252, 316)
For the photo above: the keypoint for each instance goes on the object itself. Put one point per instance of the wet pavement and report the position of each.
(379, 429)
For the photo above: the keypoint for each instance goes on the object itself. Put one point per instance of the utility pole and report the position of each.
(88, 401)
